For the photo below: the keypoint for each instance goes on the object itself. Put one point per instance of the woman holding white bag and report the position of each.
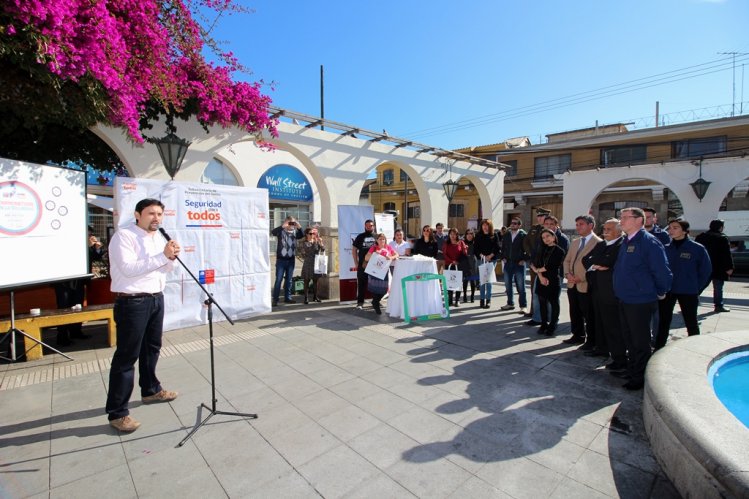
(378, 287)
(454, 250)
(486, 249)
(308, 250)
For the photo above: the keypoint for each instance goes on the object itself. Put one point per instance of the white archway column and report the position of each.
(581, 188)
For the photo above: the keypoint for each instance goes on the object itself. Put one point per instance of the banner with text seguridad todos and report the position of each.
(224, 235)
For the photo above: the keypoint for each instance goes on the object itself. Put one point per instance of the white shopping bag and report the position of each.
(377, 266)
(321, 264)
(454, 279)
(486, 273)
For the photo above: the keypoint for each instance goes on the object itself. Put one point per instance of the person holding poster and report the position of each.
(287, 235)
(138, 266)
(378, 287)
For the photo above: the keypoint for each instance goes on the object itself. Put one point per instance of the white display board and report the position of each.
(385, 223)
(42, 224)
(350, 224)
(224, 235)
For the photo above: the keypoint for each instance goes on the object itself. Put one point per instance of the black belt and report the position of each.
(136, 295)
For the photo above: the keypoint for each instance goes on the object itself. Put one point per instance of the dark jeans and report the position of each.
(544, 304)
(688, 305)
(718, 292)
(635, 321)
(362, 278)
(582, 321)
(139, 327)
(284, 268)
(515, 272)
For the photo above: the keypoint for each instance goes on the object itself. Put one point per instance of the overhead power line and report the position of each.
(673, 76)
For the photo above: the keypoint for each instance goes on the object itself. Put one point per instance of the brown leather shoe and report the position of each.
(162, 396)
(125, 424)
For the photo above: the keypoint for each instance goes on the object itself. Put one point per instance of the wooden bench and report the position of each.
(33, 324)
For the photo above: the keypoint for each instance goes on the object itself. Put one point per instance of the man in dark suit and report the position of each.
(582, 323)
(719, 249)
(599, 264)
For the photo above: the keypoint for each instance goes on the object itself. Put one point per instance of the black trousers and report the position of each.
(361, 285)
(688, 305)
(582, 322)
(609, 329)
(635, 321)
(139, 329)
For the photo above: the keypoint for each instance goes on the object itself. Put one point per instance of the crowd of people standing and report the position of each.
(622, 288)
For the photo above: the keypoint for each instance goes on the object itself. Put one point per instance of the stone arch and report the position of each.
(420, 187)
(325, 205)
(482, 191)
(114, 146)
(581, 188)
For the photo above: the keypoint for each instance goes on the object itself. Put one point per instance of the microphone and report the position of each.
(163, 233)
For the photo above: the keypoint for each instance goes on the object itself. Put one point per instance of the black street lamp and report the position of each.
(172, 149)
(700, 185)
(450, 187)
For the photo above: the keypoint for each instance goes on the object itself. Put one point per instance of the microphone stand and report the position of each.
(212, 411)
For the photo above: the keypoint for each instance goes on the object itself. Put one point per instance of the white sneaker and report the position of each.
(359, 307)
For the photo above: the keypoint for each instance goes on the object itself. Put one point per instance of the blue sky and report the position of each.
(414, 65)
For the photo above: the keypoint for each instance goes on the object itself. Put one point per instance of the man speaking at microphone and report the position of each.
(139, 262)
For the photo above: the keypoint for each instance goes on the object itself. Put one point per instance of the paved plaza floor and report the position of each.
(350, 404)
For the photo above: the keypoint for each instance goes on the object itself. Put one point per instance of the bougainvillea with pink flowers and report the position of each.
(74, 63)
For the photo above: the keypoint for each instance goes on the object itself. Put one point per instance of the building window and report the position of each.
(388, 177)
(512, 171)
(623, 155)
(218, 173)
(545, 168)
(456, 211)
(693, 148)
(404, 176)
(388, 206)
(414, 212)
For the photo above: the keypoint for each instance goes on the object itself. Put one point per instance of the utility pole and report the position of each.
(733, 54)
(322, 96)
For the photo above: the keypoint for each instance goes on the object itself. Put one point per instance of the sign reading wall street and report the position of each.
(287, 183)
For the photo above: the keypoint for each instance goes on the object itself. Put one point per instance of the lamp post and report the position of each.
(700, 185)
(172, 148)
(450, 187)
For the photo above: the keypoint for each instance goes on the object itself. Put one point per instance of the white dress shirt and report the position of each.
(137, 261)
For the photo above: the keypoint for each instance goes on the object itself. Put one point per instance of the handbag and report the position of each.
(321, 264)
(486, 273)
(454, 278)
(377, 266)
(377, 286)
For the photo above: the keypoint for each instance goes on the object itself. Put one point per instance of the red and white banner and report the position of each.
(224, 234)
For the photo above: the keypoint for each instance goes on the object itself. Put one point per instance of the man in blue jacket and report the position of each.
(641, 278)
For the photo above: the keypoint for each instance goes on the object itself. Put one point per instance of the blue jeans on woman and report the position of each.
(515, 272)
(485, 291)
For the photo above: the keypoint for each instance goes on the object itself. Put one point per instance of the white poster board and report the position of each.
(224, 235)
(42, 224)
(350, 224)
(385, 223)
